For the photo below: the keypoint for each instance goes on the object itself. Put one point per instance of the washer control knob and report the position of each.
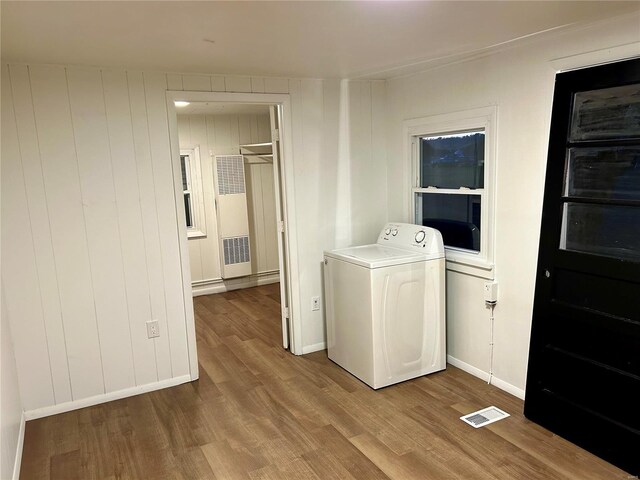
(387, 231)
(420, 236)
(394, 232)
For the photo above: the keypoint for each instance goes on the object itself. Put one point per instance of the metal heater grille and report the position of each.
(230, 170)
(236, 250)
(484, 417)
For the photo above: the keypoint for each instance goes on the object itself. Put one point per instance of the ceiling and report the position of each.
(296, 39)
(221, 108)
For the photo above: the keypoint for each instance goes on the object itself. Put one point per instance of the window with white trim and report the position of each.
(192, 192)
(453, 158)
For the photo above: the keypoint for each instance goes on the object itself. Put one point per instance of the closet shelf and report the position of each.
(253, 145)
(257, 152)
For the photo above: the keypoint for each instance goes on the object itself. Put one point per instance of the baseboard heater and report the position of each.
(233, 218)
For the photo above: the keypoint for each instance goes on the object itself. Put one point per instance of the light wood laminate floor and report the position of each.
(259, 412)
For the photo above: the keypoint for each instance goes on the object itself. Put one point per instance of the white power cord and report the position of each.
(492, 306)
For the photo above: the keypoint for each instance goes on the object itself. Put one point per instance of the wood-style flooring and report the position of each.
(259, 412)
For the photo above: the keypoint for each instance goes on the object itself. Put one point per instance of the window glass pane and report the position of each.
(612, 172)
(457, 217)
(610, 230)
(187, 210)
(184, 165)
(452, 161)
(606, 113)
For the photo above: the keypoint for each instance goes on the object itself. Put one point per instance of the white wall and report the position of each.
(89, 246)
(340, 179)
(519, 80)
(222, 135)
(11, 426)
(89, 228)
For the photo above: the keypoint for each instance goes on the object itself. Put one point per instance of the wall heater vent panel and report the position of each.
(236, 250)
(232, 216)
(230, 170)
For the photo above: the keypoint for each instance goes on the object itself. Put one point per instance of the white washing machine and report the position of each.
(385, 305)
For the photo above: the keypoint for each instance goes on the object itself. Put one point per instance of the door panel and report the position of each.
(583, 380)
(283, 247)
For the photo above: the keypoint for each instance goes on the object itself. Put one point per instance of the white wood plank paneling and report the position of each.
(238, 84)
(210, 262)
(68, 233)
(148, 208)
(256, 217)
(268, 201)
(155, 88)
(276, 85)
(101, 223)
(244, 129)
(19, 271)
(309, 164)
(378, 161)
(174, 81)
(126, 184)
(218, 83)
(39, 216)
(360, 126)
(257, 84)
(196, 83)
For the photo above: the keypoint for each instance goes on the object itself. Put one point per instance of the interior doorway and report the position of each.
(229, 168)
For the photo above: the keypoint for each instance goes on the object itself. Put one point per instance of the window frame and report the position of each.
(477, 263)
(194, 174)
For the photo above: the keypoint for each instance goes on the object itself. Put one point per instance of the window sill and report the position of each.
(467, 264)
(193, 234)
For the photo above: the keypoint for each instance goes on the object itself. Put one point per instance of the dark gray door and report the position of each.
(584, 362)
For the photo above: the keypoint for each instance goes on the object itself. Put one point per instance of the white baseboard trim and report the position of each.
(105, 397)
(219, 285)
(316, 347)
(18, 461)
(496, 382)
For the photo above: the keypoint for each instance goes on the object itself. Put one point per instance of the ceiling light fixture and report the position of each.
(180, 103)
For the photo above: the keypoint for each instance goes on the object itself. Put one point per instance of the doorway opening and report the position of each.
(230, 154)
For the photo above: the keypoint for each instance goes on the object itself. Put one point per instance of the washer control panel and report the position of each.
(414, 237)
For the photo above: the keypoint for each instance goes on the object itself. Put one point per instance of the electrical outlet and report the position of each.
(153, 329)
(315, 304)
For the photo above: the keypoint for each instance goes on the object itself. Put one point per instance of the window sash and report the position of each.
(484, 118)
(416, 197)
(191, 175)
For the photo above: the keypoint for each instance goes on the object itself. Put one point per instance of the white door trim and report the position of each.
(289, 213)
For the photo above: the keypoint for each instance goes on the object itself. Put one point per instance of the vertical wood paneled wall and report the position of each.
(222, 135)
(89, 227)
(89, 230)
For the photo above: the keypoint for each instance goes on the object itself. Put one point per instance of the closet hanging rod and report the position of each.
(257, 160)
(251, 145)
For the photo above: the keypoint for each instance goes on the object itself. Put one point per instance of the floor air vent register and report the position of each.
(484, 417)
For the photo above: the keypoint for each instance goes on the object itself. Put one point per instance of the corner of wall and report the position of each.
(12, 415)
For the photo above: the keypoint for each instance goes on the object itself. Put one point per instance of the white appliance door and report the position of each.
(412, 320)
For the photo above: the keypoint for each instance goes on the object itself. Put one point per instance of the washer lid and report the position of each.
(377, 256)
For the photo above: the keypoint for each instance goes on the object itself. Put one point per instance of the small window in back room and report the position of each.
(186, 188)
(192, 192)
(451, 183)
